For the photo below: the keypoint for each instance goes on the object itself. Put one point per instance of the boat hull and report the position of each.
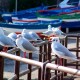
(30, 27)
(70, 24)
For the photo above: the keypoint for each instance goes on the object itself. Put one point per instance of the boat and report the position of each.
(45, 10)
(24, 18)
(30, 21)
(64, 4)
(58, 11)
(7, 16)
(69, 14)
(38, 26)
(70, 24)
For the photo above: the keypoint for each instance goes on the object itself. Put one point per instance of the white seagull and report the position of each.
(13, 36)
(58, 32)
(61, 51)
(5, 41)
(35, 35)
(26, 35)
(49, 32)
(25, 45)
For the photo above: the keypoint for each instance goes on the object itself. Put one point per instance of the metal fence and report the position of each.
(44, 65)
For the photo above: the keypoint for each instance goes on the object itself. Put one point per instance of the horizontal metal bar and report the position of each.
(68, 64)
(74, 49)
(13, 78)
(73, 35)
(13, 50)
(63, 69)
(23, 73)
(27, 71)
(40, 43)
(58, 74)
(18, 58)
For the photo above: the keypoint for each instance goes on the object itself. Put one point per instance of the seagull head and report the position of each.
(13, 36)
(19, 36)
(55, 39)
(49, 27)
(24, 31)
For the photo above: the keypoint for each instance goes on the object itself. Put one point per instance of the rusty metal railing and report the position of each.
(45, 58)
(44, 67)
(59, 68)
(76, 49)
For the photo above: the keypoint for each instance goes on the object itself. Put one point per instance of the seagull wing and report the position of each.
(48, 33)
(63, 51)
(28, 36)
(28, 46)
(6, 41)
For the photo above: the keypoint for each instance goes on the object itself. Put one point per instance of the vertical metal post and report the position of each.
(49, 58)
(1, 67)
(40, 59)
(67, 30)
(62, 72)
(43, 70)
(17, 65)
(65, 61)
(77, 47)
(16, 6)
(29, 67)
(58, 61)
(56, 70)
(47, 72)
(45, 53)
(49, 51)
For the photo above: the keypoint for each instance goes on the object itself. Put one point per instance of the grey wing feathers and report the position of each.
(28, 46)
(7, 41)
(26, 35)
(62, 49)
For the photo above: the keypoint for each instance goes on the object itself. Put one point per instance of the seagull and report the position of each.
(58, 32)
(5, 41)
(26, 35)
(35, 35)
(49, 32)
(61, 51)
(25, 45)
(13, 36)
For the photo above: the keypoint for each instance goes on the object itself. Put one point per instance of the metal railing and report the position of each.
(44, 65)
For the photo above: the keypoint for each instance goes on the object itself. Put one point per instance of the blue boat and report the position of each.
(38, 26)
(7, 16)
(70, 24)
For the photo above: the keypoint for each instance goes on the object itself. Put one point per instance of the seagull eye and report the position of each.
(53, 39)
